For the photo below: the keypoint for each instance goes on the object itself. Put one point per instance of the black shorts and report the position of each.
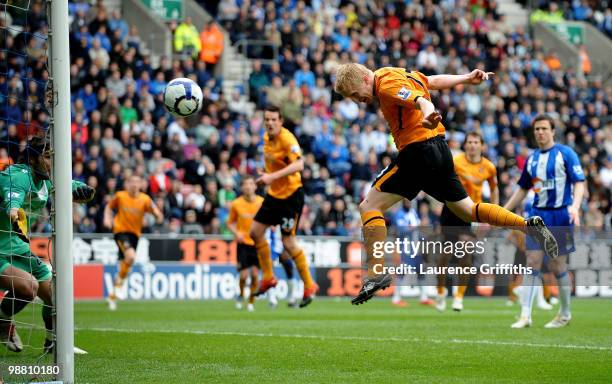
(285, 212)
(453, 227)
(247, 256)
(424, 166)
(125, 241)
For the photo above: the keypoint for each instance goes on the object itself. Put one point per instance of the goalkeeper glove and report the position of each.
(20, 226)
(83, 194)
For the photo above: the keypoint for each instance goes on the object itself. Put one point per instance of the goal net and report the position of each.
(27, 222)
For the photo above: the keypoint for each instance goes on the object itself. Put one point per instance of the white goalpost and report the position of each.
(59, 60)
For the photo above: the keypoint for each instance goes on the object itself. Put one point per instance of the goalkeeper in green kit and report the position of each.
(24, 191)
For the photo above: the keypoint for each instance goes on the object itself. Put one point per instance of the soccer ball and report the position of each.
(182, 97)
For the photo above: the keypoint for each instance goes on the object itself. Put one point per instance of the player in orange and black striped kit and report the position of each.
(131, 206)
(283, 203)
(424, 162)
(242, 212)
(473, 170)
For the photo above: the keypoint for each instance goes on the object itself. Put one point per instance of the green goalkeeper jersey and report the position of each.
(18, 189)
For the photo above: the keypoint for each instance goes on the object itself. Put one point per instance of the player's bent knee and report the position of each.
(558, 265)
(462, 208)
(363, 207)
(28, 290)
(44, 292)
(369, 205)
(290, 244)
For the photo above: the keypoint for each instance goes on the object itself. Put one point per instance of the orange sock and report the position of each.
(265, 260)
(511, 295)
(495, 215)
(546, 291)
(441, 289)
(124, 269)
(302, 266)
(374, 231)
(461, 291)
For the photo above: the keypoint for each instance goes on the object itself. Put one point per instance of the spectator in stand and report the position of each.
(191, 226)
(116, 23)
(338, 159)
(585, 61)
(186, 39)
(258, 82)
(98, 55)
(304, 76)
(211, 39)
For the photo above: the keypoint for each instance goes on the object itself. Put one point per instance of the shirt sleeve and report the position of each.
(149, 205)
(399, 92)
(525, 180)
(15, 195)
(114, 202)
(294, 152)
(233, 214)
(421, 77)
(574, 169)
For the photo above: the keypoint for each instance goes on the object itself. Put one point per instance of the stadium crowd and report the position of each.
(193, 167)
(595, 12)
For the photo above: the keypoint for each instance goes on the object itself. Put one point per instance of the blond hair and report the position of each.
(348, 77)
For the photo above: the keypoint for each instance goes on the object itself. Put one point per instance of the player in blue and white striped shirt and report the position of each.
(554, 173)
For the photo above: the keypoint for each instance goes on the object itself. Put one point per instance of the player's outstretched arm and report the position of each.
(477, 76)
(81, 192)
(267, 178)
(517, 197)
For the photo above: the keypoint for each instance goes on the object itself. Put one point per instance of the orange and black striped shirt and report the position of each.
(398, 90)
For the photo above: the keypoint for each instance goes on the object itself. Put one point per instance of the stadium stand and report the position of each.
(195, 165)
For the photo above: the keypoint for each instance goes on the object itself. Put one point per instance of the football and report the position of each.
(182, 97)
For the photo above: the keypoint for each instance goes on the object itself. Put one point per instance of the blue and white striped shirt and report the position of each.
(551, 174)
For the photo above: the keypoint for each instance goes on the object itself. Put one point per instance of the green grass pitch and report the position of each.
(334, 342)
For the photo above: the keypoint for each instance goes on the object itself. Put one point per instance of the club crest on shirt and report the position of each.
(403, 93)
(13, 195)
(541, 185)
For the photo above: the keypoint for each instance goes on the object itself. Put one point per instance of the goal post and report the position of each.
(59, 59)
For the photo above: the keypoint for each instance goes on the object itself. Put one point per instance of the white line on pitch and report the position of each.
(355, 338)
